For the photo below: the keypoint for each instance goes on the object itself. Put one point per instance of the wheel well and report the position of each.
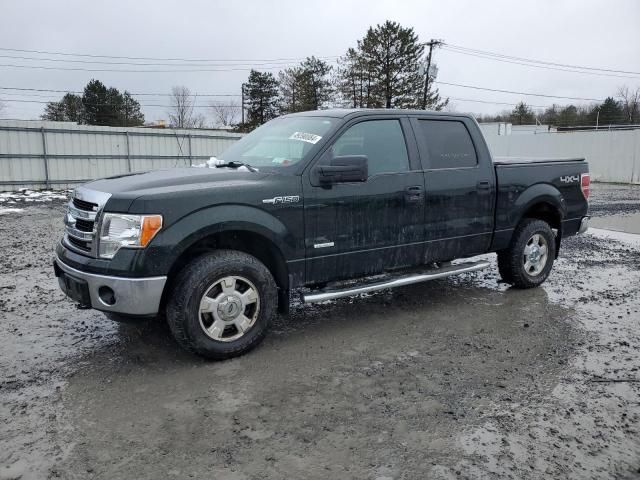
(546, 212)
(248, 242)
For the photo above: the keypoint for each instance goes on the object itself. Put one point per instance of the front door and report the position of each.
(363, 228)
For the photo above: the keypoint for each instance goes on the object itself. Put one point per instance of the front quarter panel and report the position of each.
(196, 215)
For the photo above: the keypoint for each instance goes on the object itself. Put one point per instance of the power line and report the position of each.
(43, 52)
(122, 70)
(137, 94)
(518, 93)
(494, 103)
(221, 63)
(538, 66)
(581, 67)
(43, 102)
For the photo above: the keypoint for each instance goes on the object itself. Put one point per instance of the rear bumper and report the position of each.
(131, 296)
(584, 225)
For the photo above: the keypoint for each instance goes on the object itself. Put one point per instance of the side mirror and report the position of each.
(350, 168)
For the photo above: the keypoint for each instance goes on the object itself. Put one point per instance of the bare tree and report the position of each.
(226, 113)
(182, 113)
(630, 101)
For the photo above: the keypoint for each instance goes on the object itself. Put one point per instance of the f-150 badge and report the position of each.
(284, 199)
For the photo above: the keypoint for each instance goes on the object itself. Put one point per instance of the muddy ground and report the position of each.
(457, 378)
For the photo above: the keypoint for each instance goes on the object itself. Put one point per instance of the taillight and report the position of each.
(585, 183)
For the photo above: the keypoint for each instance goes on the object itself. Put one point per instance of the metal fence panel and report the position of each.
(613, 155)
(59, 154)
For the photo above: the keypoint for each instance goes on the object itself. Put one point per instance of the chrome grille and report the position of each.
(84, 205)
(82, 220)
(84, 225)
(85, 246)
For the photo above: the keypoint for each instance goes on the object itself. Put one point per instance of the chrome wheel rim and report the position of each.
(229, 308)
(536, 253)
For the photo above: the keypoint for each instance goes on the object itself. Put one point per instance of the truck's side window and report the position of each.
(448, 143)
(382, 141)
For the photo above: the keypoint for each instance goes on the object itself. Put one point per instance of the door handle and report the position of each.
(483, 185)
(414, 194)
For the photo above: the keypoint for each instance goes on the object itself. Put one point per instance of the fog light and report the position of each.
(107, 295)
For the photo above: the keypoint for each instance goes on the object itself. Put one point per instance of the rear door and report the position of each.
(460, 187)
(362, 228)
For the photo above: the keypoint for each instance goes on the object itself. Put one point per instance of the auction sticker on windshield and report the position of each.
(305, 137)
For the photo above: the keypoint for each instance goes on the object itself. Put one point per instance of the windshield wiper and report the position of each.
(237, 165)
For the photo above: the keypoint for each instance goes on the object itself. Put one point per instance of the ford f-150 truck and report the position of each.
(324, 204)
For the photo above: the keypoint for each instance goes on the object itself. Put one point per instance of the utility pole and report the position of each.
(432, 43)
(242, 102)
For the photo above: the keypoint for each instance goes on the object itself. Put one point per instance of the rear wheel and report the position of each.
(529, 259)
(222, 304)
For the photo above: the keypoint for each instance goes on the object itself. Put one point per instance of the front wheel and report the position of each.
(529, 259)
(222, 304)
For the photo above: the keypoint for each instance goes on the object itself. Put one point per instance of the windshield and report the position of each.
(280, 142)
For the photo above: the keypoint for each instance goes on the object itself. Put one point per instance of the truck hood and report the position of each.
(124, 189)
(137, 184)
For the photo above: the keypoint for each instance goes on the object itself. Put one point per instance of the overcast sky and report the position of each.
(604, 34)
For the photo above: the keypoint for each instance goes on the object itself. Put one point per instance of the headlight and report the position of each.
(130, 231)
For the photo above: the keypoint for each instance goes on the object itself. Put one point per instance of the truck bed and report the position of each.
(526, 160)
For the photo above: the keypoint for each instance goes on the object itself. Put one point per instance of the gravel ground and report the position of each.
(456, 378)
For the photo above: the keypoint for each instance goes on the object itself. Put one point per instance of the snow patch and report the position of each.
(623, 237)
(211, 163)
(6, 211)
(26, 195)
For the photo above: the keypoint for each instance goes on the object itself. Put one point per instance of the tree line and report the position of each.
(98, 105)
(383, 70)
(622, 109)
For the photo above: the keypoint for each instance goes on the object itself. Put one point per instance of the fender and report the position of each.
(537, 193)
(179, 236)
(511, 210)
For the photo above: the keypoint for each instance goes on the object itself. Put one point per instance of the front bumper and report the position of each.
(131, 296)
(584, 225)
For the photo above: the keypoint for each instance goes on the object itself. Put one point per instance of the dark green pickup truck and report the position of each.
(305, 203)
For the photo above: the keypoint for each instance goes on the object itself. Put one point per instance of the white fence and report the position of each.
(58, 155)
(613, 155)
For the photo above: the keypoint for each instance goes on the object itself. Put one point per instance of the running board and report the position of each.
(396, 282)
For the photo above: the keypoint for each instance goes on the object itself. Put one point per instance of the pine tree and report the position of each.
(351, 79)
(316, 89)
(305, 87)
(68, 109)
(384, 71)
(98, 105)
(610, 112)
(522, 114)
(261, 99)
(568, 116)
(130, 113)
(392, 55)
(95, 103)
(290, 83)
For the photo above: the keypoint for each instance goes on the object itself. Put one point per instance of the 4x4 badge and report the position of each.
(285, 199)
(570, 179)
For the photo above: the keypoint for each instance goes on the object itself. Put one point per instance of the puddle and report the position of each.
(629, 223)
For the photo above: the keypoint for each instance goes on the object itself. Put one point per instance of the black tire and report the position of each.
(191, 284)
(503, 266)
(129, 319)
(511, 262)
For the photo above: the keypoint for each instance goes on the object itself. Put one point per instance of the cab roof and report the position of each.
(346, 113)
